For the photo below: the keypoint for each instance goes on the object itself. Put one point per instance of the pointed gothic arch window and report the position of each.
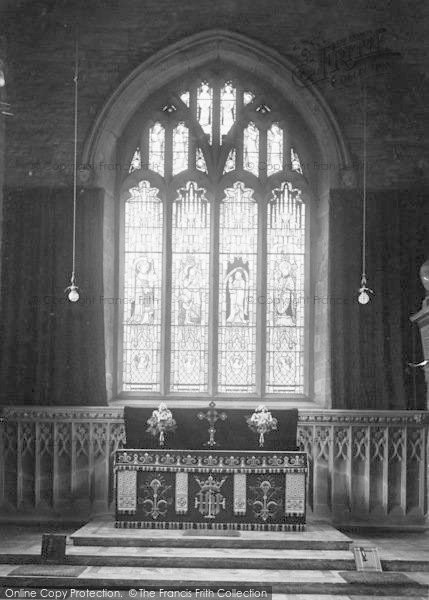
(214, 247)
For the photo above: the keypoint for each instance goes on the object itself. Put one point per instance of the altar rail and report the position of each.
(366, 467)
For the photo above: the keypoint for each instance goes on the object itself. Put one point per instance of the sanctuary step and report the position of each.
(316, 562)
(280, 581)
(318, 536)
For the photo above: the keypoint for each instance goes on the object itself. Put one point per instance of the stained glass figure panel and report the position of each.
(248, 97)
(200, 161)
(205, 108)
(251, 149)
(142, 290)
(136, 161)
(238, 235)
(190, 290)
(185, 98)
(274, 149)
(296, 163)
(180, 148)
(230, 162)
(285, 291)
(157, 148)
(228, 95)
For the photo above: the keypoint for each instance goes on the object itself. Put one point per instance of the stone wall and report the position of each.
(115, 37)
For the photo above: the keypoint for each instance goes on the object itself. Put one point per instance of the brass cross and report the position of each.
(212, 416)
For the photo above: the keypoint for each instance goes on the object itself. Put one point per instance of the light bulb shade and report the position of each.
(73, 295)
(363, 297)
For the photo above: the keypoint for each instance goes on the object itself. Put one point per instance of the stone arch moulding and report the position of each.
(194, 52)
(177, 60)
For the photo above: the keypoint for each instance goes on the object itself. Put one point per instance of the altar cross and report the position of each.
(212, 415)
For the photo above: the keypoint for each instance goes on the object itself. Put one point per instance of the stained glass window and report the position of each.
(136, 161)
(142, 289)
(251, 149)
(205, 108)
(190, 290)
(180, 148)
(238, 232)
(221, 241)
(285, 291)
(157, 148)
(274, 149)
(227, 109)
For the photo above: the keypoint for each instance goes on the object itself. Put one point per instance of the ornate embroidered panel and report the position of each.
(212, 489)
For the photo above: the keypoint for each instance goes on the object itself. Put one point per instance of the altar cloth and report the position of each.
(213, 489)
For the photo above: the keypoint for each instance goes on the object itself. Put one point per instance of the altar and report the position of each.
(213, 489)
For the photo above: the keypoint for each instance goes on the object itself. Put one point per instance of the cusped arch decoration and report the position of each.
(194, 52)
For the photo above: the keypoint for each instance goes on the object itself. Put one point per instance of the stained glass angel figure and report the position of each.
(286, 300)
(236, 288)
(190, 299)
(143, 304)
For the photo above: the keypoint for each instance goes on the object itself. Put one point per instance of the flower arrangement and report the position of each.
(161, 422)
(262, 422)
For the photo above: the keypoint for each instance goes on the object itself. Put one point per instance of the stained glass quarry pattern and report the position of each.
(251, 149)
(190, 290)
(142, 289)
(136, 161)
(285, 291)
(157, 148)
(238, 233)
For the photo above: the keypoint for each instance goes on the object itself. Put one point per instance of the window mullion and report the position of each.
(239, 137)
(214, 295)
(261, 312)
(166, 279)
(216, 119)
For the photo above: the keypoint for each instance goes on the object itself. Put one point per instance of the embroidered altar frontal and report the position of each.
(182, 489)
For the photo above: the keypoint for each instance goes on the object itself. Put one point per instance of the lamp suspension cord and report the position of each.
(364, 187)
(75, 79)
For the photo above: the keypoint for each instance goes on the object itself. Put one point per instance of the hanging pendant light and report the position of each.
(72, 289)
(364, 291)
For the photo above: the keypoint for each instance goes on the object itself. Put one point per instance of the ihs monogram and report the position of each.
(209, 500)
